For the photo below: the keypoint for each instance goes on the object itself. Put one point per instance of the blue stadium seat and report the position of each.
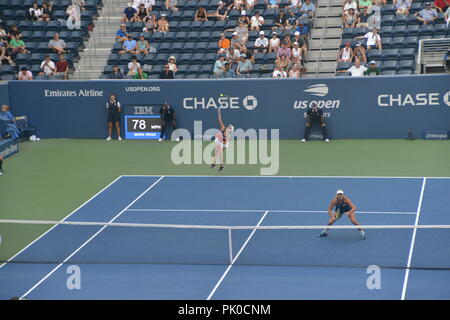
(176, 16)
(389, 66)
(161, 58)
(407, 54)
(412, 30)
(25, 25)
(387, 9)
(23, 58)
(411, 20)
(165, 47)
(405, 72)
(426, 30)
(201, 47)
(210, 57)
(406, 65)
(343, 66)
(397, 43)
(388, 72)
(209, 25)
(179, 76)
(386, 31)
(194, 69)
(7, 77)
(207, 68)
(174, 26)
(388, 20)
(183, 68)
(348, 33)
(204, 36)
(189, 46)
(150, 58)
(375, 54)
(198, 58)
(401, 20)
(399, 31)
(7, 69)
(390, 54)
(412, 42)
(193, 36)
(441, 29)
(196, 25)
(387, 43)
(220, 25)
(415, 7)
(36, 58)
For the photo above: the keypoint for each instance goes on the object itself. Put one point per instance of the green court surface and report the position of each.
(49, 179)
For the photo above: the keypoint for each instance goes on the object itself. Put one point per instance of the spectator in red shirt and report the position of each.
(443, 4)
(62, 67)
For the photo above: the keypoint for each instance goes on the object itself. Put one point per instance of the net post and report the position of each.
(230, 246)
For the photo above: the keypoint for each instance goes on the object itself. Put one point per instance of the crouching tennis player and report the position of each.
(341, 204)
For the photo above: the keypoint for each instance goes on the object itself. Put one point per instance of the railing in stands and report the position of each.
(431, 54)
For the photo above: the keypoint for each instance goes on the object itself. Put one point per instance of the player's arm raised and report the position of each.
(219, 118)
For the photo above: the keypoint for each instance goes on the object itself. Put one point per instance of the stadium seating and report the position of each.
(36, 34)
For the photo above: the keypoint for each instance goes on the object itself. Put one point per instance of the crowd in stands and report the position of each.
(370, 23)
(284, 38)
(14, 49)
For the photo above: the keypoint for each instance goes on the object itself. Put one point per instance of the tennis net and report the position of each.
(74, 242)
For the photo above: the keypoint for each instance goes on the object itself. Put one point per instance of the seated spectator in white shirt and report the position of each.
(133, 65)
(402, 6)
(24, 74)
(357, 70)
(428, 14)
(47, 67)
(274, 42)
(278, 72)
(256, 22)
(261, 43)
(373, 39)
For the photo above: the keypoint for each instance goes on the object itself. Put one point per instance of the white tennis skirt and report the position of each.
(217, 142)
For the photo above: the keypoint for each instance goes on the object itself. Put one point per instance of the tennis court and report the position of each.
(131, 259)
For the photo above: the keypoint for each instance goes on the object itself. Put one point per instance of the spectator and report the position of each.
(2, 32)
(13, 32)
(261, 43)
(373, 70)
(282, 62)
(244, 19)
(129, 45)
(349, 4)
(228, 4)
(373, 39)
(79, 3)
(228, 72)
(116, 73)
(163, 24)
(291, 20)
(256, 22)
(239, 4)
(35, 13)
(166, 73)
(221, 12)
(48, 67)
(360, 53)
(219, 66)
(223, 42)
(365, 4)
(242, 32)
(151, 23)
(272, 4)
(295, 72)
(296, 51)
(57, 45)
(148, 4)
(114, 109)
(201, 15)
(402, 7)
(280, 21)
(140, 74)
(237, 44)
(244, 66)
(442, 4)
(24, 74)
(301, 39)
(142, 46)
(171, 5)
(357, 70)
(302, 30)
(172, 62)
(350, 18)
(249, 4)
(363, 19)
(284, 50)
(47, 9)
(17, 45)
(8, 118)
(428, 14)
(129, 13)
(133, 66)
(278, 72)
(73, 17)
(308, 11)
(447, 16)
(5, 52)
(121, 34)
(142, 13)
(62, 67)
(274, 42)
(294, 4)
(346, 53)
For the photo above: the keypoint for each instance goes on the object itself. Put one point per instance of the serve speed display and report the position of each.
(142, 127)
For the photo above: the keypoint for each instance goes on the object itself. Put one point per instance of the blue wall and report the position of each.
(4, 93)
(375, 107)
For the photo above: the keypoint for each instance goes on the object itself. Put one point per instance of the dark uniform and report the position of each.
(113, 111)
(315, 115)
(168, 117)
(341, 207)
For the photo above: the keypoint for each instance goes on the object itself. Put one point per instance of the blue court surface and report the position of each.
(124, 262)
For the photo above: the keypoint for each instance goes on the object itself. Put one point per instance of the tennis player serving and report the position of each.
(221, 141)
(342, 204)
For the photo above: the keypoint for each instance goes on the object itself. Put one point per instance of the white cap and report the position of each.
(243, 13)
(261, 32)
(340, 191)
(235, 33)
(297, 33)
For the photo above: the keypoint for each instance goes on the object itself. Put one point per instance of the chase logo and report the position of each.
(250, 102)
(447, 98)
(319, 90)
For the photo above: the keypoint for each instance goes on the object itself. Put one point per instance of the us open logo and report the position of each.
(447, 98)
(319, 90)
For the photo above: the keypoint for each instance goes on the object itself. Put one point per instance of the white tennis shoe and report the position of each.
(108, 139)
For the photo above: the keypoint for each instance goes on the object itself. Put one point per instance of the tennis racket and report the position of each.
(337, 214)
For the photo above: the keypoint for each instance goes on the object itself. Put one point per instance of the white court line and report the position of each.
(411, 249)
(331, 177)
(263, 210)
(235, 258)
(87, 241)
(85, 203)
